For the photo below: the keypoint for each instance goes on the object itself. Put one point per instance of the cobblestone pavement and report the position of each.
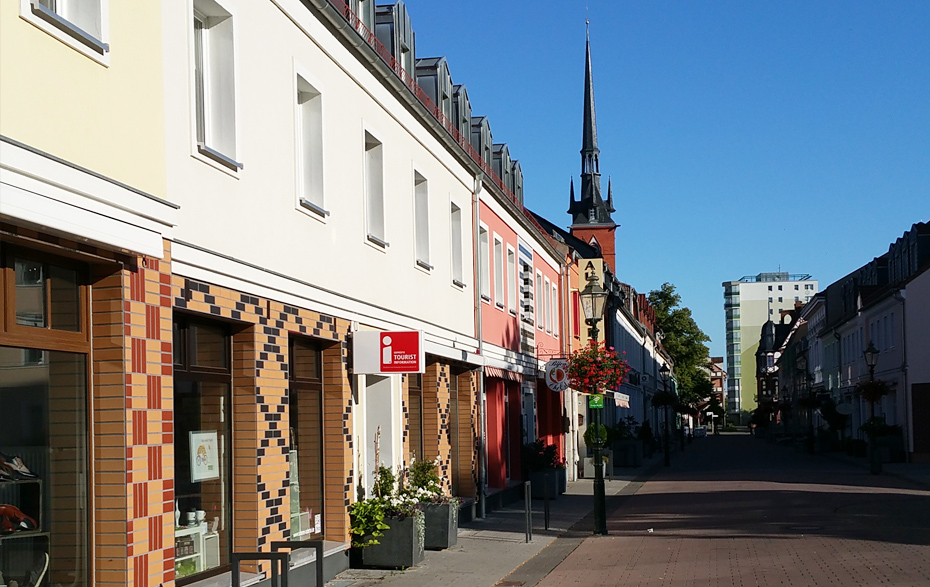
(738, 511)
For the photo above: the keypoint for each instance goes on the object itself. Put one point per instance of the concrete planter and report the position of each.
(400, 547)
(442, 525)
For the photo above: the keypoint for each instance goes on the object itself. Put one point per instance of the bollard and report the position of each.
(528, 510)
(546, 502)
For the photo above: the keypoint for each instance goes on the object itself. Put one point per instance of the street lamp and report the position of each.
(593, 297)
(871, 358)
(664, 373)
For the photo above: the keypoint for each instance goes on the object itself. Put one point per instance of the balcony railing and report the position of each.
(410, 81)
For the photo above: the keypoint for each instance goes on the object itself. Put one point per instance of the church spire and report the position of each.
(589, 150)
(590, 209)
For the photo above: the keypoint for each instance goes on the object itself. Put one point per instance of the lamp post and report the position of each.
(871, 358)
(593, 298)
(664, 373)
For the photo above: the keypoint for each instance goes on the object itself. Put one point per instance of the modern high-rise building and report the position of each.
(750, 302)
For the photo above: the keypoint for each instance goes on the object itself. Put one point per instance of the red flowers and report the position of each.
(596, 369)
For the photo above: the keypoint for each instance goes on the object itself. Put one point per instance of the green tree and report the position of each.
(684, 341)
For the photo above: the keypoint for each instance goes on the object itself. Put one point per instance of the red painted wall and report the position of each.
(497, 468)
(549, 416)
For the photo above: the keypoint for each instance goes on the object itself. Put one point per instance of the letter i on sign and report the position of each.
(386, 350)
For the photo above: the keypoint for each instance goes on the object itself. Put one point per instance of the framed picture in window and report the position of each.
(205, 462)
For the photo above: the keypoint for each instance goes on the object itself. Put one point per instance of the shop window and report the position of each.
(202, 447)
(45, 519)
(415, 415)
(305, 405)
(43, 466)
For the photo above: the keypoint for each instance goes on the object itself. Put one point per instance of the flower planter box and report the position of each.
(400, 547)
(442, 525)
(540, 479)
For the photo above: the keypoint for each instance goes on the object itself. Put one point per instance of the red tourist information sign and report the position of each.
(383, 352)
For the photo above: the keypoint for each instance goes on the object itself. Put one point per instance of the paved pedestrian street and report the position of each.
(739, 511)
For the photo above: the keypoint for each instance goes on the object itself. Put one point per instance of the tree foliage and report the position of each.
(684, 341)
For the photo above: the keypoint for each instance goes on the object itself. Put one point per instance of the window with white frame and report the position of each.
(541, 293)
(421, 219)
(511, 280)
(484, 279)
(498, 272)
(310, 147)
(458, 277)
(80, 20)
(555, 310)
(214, 83)
(374, 190)
(548, 302)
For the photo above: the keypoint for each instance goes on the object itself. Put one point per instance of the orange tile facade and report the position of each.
(132, 307)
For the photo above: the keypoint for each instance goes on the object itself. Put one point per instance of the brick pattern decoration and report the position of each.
(133, 419)
(439, 426)
(436, 440)
(465, 427)
(405, 431)
(261, 470)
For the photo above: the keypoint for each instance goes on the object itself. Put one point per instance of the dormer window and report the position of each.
(592, 214)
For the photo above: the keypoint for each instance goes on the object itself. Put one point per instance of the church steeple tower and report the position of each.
(591, 215)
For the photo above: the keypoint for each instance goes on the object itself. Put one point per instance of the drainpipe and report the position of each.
(482, 400)
(901, 296)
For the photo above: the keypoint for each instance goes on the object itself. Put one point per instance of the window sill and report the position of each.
(512, 313)
(377, 241)
(65, 31)
(70, 28)
(218, 157)
(459, 284)
(499, 305)
(424, 265)
(308, 205)
(485, 298)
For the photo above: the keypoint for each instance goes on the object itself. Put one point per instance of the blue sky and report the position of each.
(741, 136)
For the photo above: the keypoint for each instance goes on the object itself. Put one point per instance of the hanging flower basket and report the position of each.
(872, 391)
(596, 369)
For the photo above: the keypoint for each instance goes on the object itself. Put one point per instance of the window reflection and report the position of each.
(43, 464)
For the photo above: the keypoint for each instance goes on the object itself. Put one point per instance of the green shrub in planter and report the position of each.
(388, 528)
(441, 512)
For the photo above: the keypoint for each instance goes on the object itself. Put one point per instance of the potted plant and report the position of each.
(388, 528)
(440, 512)
(545, 468)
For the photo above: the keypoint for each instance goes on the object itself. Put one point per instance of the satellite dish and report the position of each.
(844, 409)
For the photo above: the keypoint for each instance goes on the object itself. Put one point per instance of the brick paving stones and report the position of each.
(737, 511)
